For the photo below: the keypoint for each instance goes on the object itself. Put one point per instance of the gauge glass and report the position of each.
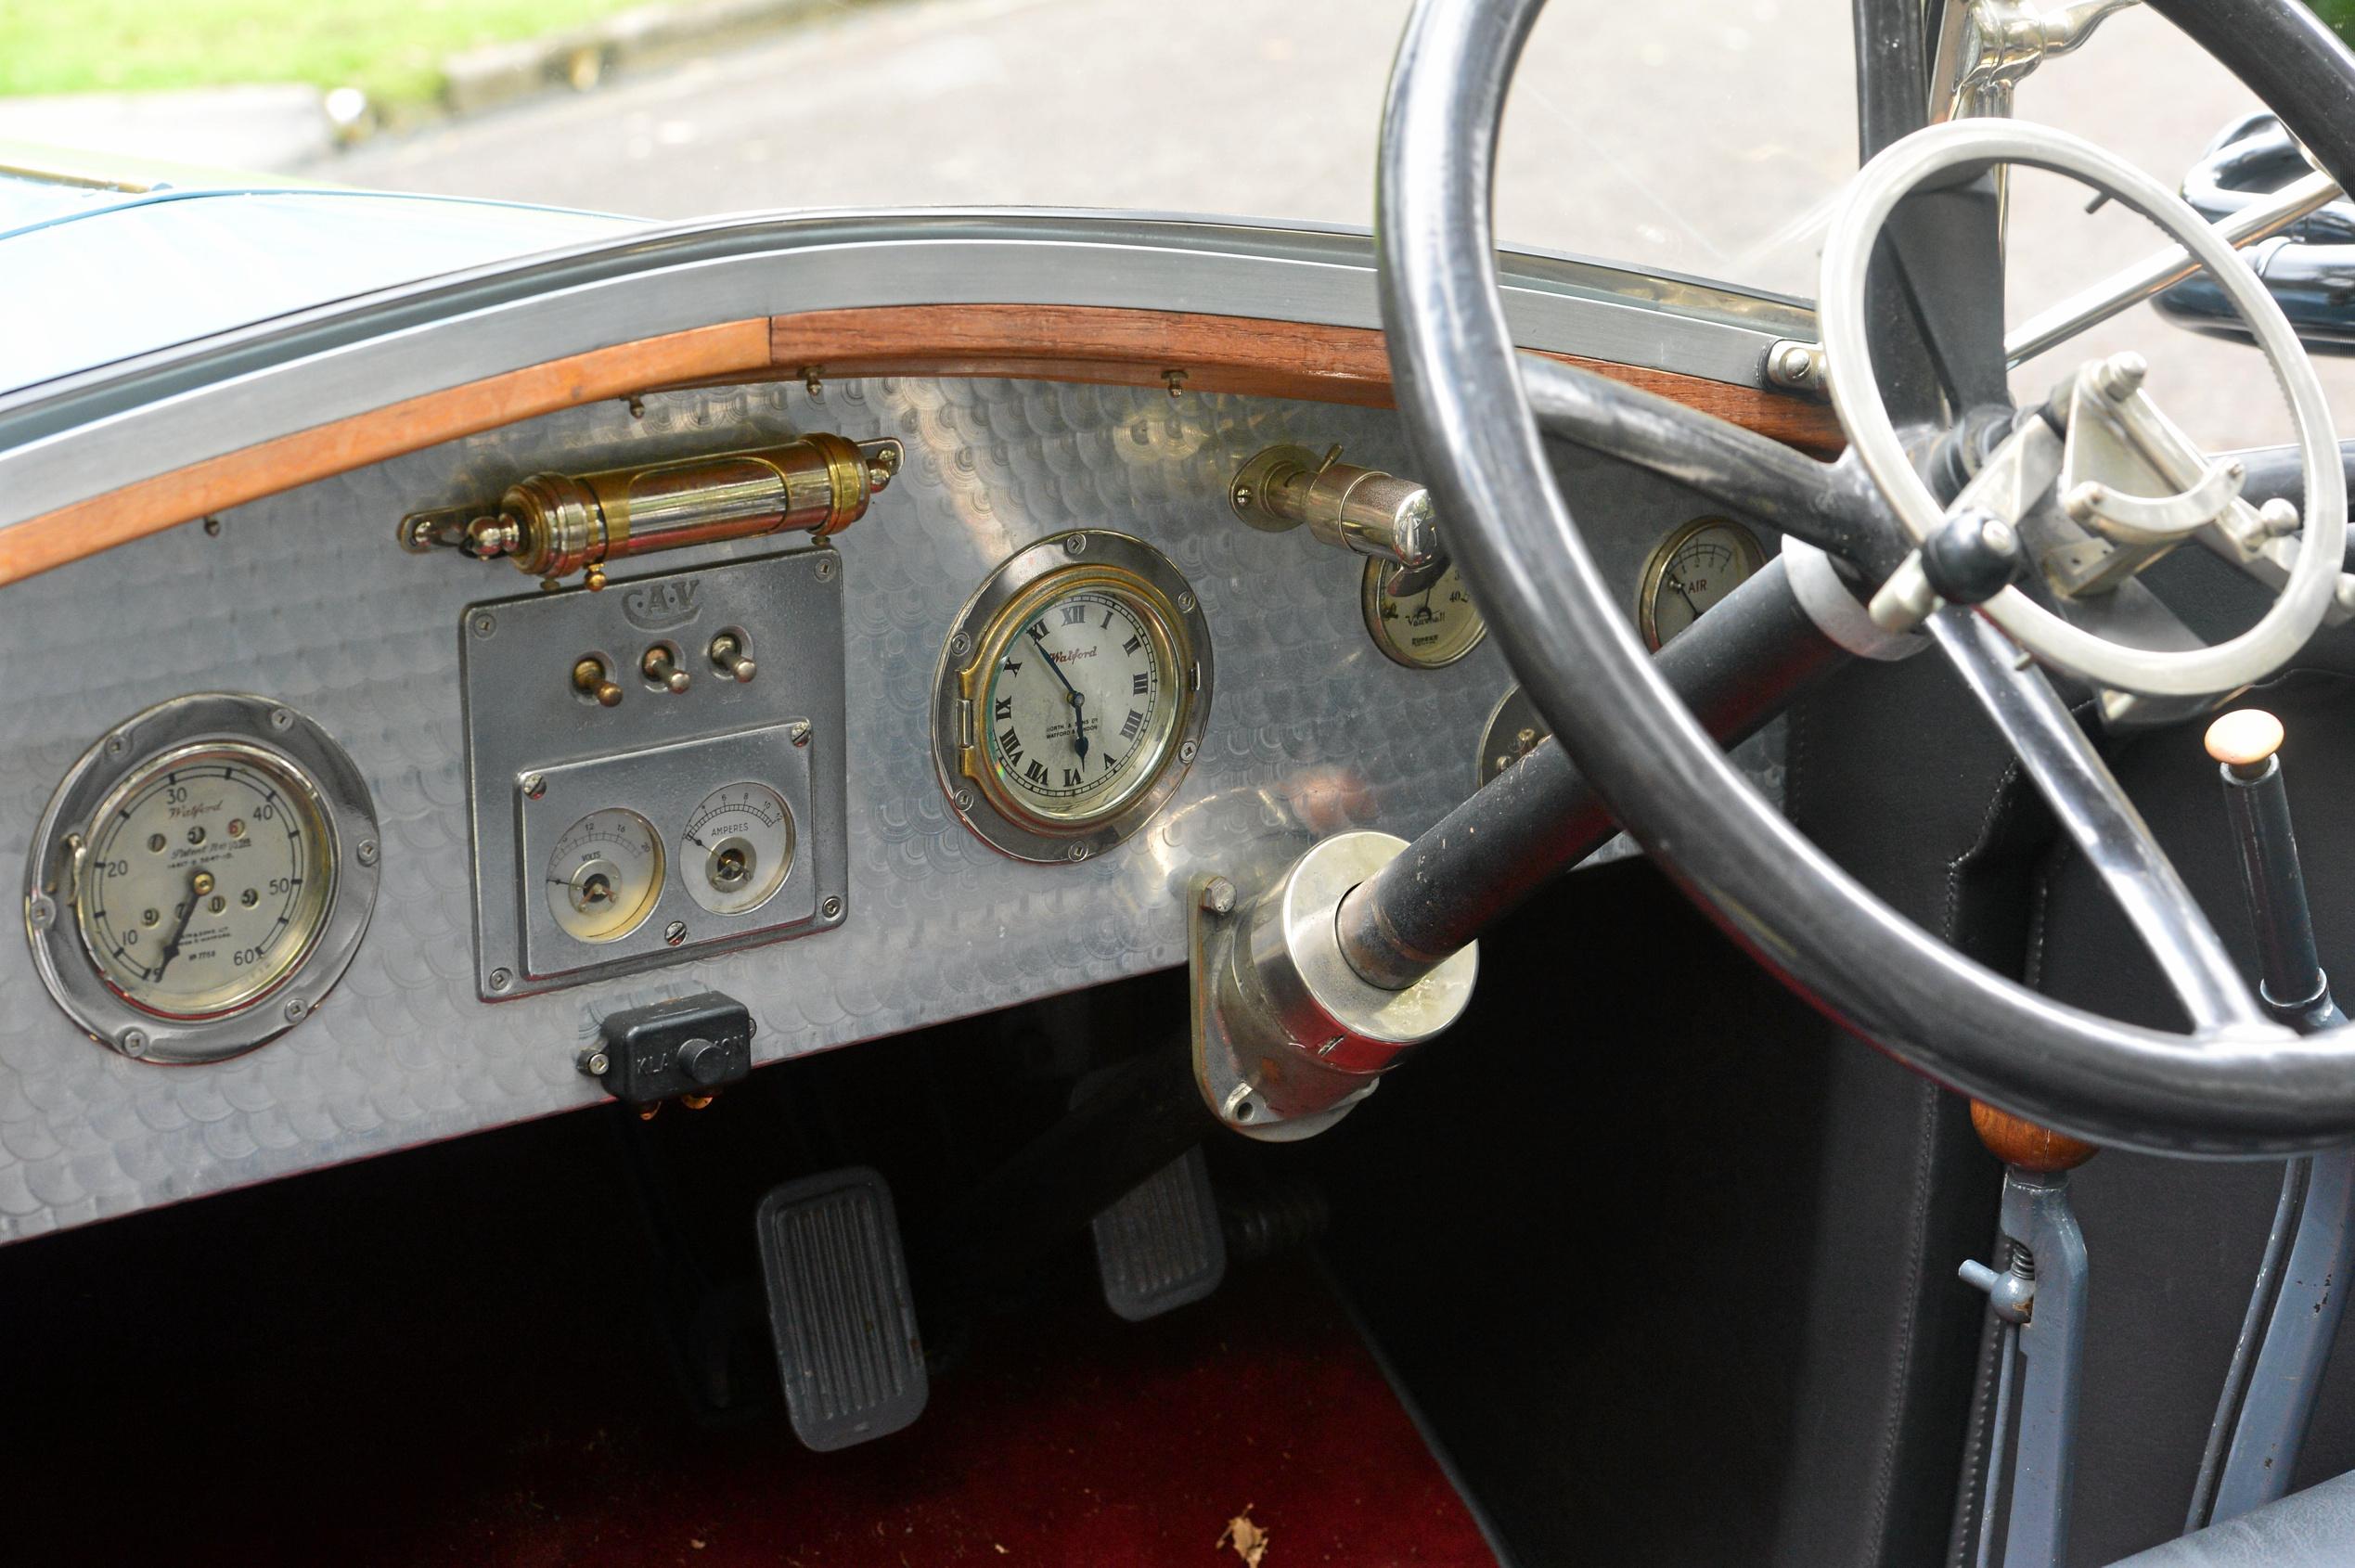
(1427, 630)
(204, 879)
(1694, 568)
(737, 847)
(604, 875)
(1078, 704)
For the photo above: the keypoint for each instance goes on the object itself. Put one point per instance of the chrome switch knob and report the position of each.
(729, 659)
(662, 670)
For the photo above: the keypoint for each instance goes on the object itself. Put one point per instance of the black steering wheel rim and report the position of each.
(2239, 1089)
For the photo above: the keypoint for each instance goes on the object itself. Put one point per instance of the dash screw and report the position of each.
(832, 908)
(675, 933)
(368, 851)
(501, 980)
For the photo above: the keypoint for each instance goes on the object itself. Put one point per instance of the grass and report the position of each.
(390, 49)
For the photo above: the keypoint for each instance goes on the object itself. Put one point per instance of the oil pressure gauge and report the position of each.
(201, 876)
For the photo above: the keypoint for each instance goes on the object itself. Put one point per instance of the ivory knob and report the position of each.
(2245, 741)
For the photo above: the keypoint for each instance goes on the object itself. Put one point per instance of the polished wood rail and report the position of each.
(1186, 351)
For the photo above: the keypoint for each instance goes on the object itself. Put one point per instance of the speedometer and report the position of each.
(205, 880)
(201, 877)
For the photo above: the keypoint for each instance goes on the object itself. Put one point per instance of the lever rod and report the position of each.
(2295, 1307)
(2165, 268)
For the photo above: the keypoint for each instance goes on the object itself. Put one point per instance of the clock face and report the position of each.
(1071, 695)
(1078, 710)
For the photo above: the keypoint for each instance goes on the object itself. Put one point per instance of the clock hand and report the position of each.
(1678, 584)
(1079, 703)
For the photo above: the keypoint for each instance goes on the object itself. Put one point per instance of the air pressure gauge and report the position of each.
(1691, 571)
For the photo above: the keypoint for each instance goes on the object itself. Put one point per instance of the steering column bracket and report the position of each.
(1288, 1037)
(2309, 585)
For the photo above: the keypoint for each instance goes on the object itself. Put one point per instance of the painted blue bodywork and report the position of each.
(92, 273)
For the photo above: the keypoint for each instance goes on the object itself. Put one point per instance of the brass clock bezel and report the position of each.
(997, 611)
(1655, 567)
(1369, 597)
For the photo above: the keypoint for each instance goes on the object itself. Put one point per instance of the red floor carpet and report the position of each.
(1079, 1441)
(1066, 1438)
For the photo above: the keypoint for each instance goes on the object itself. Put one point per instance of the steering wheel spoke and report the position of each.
(1832, 506)
(2093, 809)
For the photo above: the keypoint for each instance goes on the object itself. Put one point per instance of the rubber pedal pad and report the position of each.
(839, 1311)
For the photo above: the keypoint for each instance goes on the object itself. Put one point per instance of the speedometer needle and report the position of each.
(200, 883)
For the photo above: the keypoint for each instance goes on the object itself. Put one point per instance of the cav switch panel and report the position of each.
(656, 769)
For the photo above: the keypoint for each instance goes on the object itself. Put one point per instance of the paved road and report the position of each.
(1705, 136)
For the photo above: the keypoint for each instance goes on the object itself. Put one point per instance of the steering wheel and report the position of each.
(2237, 1083)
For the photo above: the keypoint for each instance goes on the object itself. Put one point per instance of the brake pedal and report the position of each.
(839, 1310)
(1160, 1246)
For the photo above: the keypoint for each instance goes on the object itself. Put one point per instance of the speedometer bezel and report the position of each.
(292, 744)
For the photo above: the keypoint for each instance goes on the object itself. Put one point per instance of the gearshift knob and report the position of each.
(2018, 1141)
(2245, 741)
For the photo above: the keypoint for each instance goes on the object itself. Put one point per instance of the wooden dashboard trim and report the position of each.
(1200, 353)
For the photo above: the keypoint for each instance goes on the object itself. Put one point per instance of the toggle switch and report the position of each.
(729, 655)
(661, 667)
(591, 677)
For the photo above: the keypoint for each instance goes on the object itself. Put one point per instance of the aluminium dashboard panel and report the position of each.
(303, 597)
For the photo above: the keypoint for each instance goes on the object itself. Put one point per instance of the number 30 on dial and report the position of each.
(1071, 695)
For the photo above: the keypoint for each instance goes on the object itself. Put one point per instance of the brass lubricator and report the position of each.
(552, 525)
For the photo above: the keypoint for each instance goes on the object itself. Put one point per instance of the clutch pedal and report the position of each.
(840, 1310)
(1160, 1246)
